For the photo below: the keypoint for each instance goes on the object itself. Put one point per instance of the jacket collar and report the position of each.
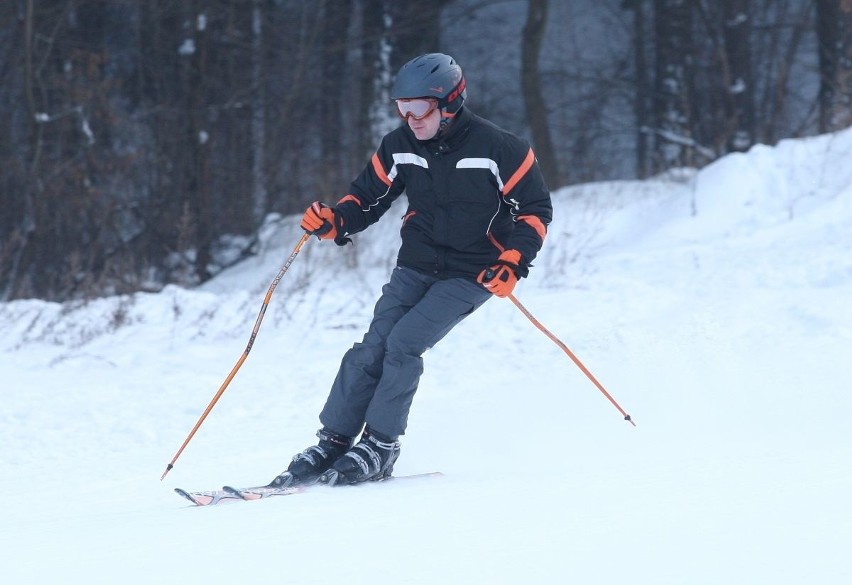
(453, 135)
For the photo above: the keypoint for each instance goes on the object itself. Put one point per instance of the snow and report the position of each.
(712, 305)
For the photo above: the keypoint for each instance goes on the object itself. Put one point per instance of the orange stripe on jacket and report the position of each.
(350, 197)
(535, 222)
(519, 174)
(380, 171)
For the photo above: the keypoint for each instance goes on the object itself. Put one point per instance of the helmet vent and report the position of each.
(435, 68)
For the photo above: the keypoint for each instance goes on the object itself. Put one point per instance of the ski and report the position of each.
(207, 498)
(230, 494)
(260, 492)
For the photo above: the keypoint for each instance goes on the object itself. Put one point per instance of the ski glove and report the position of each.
(502, 277)
(319, 221)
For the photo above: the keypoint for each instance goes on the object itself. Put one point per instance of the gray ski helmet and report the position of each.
(432, 75)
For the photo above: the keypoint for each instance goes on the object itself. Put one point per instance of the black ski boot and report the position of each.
(308, 465)
(371, 459)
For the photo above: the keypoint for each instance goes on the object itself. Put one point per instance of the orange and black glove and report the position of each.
(319, 221)
(502, 277)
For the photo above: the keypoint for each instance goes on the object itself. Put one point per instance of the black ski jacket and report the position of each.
(472, 192)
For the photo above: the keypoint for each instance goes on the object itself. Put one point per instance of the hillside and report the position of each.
(714, 306)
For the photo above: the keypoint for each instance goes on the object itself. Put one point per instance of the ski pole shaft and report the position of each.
(571, 355)
(243, 357)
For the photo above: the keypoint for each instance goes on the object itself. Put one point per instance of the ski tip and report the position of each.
(187, 495)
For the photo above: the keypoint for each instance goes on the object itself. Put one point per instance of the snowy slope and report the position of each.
(714, 306)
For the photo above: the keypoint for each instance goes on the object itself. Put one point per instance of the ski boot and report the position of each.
(371, 459)
(307, 466)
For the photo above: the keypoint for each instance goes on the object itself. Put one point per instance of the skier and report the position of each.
(478, 211)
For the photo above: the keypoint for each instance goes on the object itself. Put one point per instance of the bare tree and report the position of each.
(783, 102)
(415, 29)
(198, 143)
(334, 91)
(532, 36)
(136, 138)
(373, 80)
(673, 95)
(738, 76)
(834, 31)
(642, 84)
(258, 113)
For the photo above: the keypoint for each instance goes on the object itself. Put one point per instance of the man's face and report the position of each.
(426, 128)
(422, 116)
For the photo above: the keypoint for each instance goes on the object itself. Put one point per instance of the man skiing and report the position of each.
(478, 211)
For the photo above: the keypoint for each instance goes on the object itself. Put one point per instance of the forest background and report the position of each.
(147, 142)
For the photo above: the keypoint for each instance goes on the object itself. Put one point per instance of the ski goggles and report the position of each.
(417, 108)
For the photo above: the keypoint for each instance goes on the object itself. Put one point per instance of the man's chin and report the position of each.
(422, 134)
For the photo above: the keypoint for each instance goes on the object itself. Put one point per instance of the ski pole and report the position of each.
(243, 357)
(571, 355)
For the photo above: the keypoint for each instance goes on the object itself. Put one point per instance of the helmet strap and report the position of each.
(446, 120)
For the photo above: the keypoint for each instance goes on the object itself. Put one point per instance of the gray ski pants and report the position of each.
(378, 377)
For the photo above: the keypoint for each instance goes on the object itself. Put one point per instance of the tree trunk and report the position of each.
(739, 81)
(415, 29)
(674, 144)
(834, 25)
(13, 244)
(842, 117)
(374, 110)
(642, 82)
(333, 94)
(258, 116)
(200, 195)
(536, 108)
